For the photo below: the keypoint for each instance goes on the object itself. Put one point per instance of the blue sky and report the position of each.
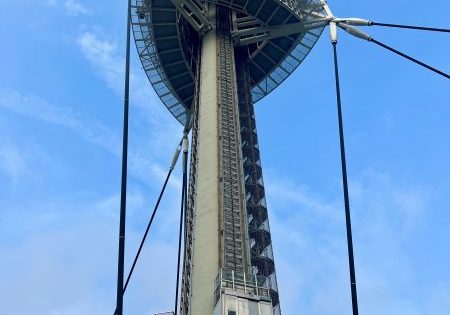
(61, 87)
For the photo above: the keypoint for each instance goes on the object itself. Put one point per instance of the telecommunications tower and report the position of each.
(210, 61)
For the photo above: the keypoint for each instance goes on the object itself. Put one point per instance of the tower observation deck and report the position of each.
(210, 62)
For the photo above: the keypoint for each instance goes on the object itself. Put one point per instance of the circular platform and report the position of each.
(168, 46)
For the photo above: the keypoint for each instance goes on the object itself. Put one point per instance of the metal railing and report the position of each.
(241, 282)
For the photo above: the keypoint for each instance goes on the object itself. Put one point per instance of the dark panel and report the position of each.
(279, 17)
(253, 6)
(168, 57)
(164, 16)
(273, 52)
(167, 44)
(263, 62)
(165, 30)
(175, 69)
(266, 11)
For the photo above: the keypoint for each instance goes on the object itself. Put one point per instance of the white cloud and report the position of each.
(50, 3)
(40, 109)
(102, 54)
(70, 7)
(74, 8)
(23, 161)
(157, 132)
(146, 151)
(12, 161)
(107, 59)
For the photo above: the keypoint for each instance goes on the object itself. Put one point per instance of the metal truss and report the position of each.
(195, 13)
(247, 36)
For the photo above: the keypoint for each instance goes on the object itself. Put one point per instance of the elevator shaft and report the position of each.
(234, 239)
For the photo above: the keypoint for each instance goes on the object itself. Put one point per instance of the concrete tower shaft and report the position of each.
(224, 187)
(219, 230)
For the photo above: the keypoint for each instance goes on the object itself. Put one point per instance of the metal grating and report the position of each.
(146, 44)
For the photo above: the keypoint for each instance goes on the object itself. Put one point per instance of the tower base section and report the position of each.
(242, 294)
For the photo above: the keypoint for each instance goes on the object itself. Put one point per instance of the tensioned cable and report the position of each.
(180, 236)
(144, 237)
(364, 22)
(182, 211)
(362, 35)
(351, 258)
(146, 231)
(445, 75)
(412, 27)
(123, 189)
(172, 166)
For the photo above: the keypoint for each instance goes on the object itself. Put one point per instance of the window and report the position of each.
(231, 313)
